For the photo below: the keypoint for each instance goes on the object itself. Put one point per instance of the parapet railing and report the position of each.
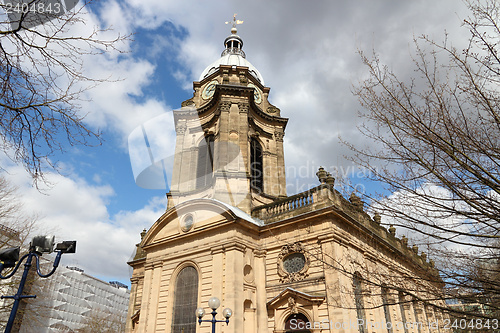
(288, 204)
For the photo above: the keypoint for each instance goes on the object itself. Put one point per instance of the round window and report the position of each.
(188, 222)
(294, 262)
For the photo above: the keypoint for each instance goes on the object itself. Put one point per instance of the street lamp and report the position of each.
(38, 246)
(214, 303)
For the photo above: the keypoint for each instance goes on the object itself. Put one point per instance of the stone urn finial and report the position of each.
(330, 180)
(321, 175)
(392, 230)
(356, 202)
(415, 249)
(404, 241)
(140, 253)
(377, 218)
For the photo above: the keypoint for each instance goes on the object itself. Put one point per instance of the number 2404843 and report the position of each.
(489, 324)
(35, 7)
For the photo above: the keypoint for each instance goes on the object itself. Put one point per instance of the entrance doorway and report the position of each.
(296, 323)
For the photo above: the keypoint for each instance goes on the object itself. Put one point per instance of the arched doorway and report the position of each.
(296, 323)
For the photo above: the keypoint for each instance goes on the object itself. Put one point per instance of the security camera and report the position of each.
(43, 244)
(66, 247)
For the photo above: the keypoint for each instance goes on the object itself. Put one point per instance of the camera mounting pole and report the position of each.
(39, 245)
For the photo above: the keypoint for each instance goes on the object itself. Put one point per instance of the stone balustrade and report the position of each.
(289, 204)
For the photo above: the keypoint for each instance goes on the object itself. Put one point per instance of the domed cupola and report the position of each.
(233, 44)
(232, 55)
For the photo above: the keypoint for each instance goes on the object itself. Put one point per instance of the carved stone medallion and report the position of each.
(293, 263)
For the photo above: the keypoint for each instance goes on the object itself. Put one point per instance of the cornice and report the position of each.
(260, 253)
(240, 91)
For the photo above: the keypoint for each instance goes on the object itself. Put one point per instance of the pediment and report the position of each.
(193, 216)
(292, 298)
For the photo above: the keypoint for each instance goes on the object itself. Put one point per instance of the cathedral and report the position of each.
(310, 262)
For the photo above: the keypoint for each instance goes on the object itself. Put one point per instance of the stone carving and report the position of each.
(321, 174)
(243, 107)
(404, 241)
(298, 265)
(392, 230)
(225, 76)
(243, 78)
(188, 102)
(356, 202)
(279, 136)
(181, 127)
(272, 109)
(140, 251)
(225, 106)
(292, 305)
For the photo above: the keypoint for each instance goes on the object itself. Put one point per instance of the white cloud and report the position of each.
(424, 218)
(74, 209)
(306, 52)
(309, 60)
(307, 55)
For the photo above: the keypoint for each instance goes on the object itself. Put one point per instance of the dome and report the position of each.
(232, 59)
(233, 55)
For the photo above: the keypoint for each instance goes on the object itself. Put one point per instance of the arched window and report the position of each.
(387, 311)
(256, 166)
(185, 301)
(358, 300)
(205, 166)
(297, 323)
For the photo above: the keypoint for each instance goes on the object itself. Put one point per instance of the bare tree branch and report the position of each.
(438, 151)
(42, 80)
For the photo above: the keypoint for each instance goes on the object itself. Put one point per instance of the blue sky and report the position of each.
(306, 52)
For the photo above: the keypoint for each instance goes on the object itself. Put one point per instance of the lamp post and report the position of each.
(39, 245)
(214, 303)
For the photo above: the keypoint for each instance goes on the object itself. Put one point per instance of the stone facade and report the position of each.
(277, 261)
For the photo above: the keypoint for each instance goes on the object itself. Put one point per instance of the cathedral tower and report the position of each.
(281, 263)
(229, 144)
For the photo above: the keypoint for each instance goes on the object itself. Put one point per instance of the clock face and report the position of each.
(256, 94)
(209, 90)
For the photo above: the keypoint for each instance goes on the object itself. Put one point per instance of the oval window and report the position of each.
(187, 223)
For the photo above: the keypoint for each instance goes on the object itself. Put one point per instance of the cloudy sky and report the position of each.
(305, 50)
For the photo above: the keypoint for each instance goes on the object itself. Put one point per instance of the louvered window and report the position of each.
(256, 167)
(204, 171)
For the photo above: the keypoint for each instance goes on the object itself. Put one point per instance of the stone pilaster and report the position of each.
(234, 296)
(131, 305)
(146, 296)
(154, 296)
(330, 252)
(260, 281)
